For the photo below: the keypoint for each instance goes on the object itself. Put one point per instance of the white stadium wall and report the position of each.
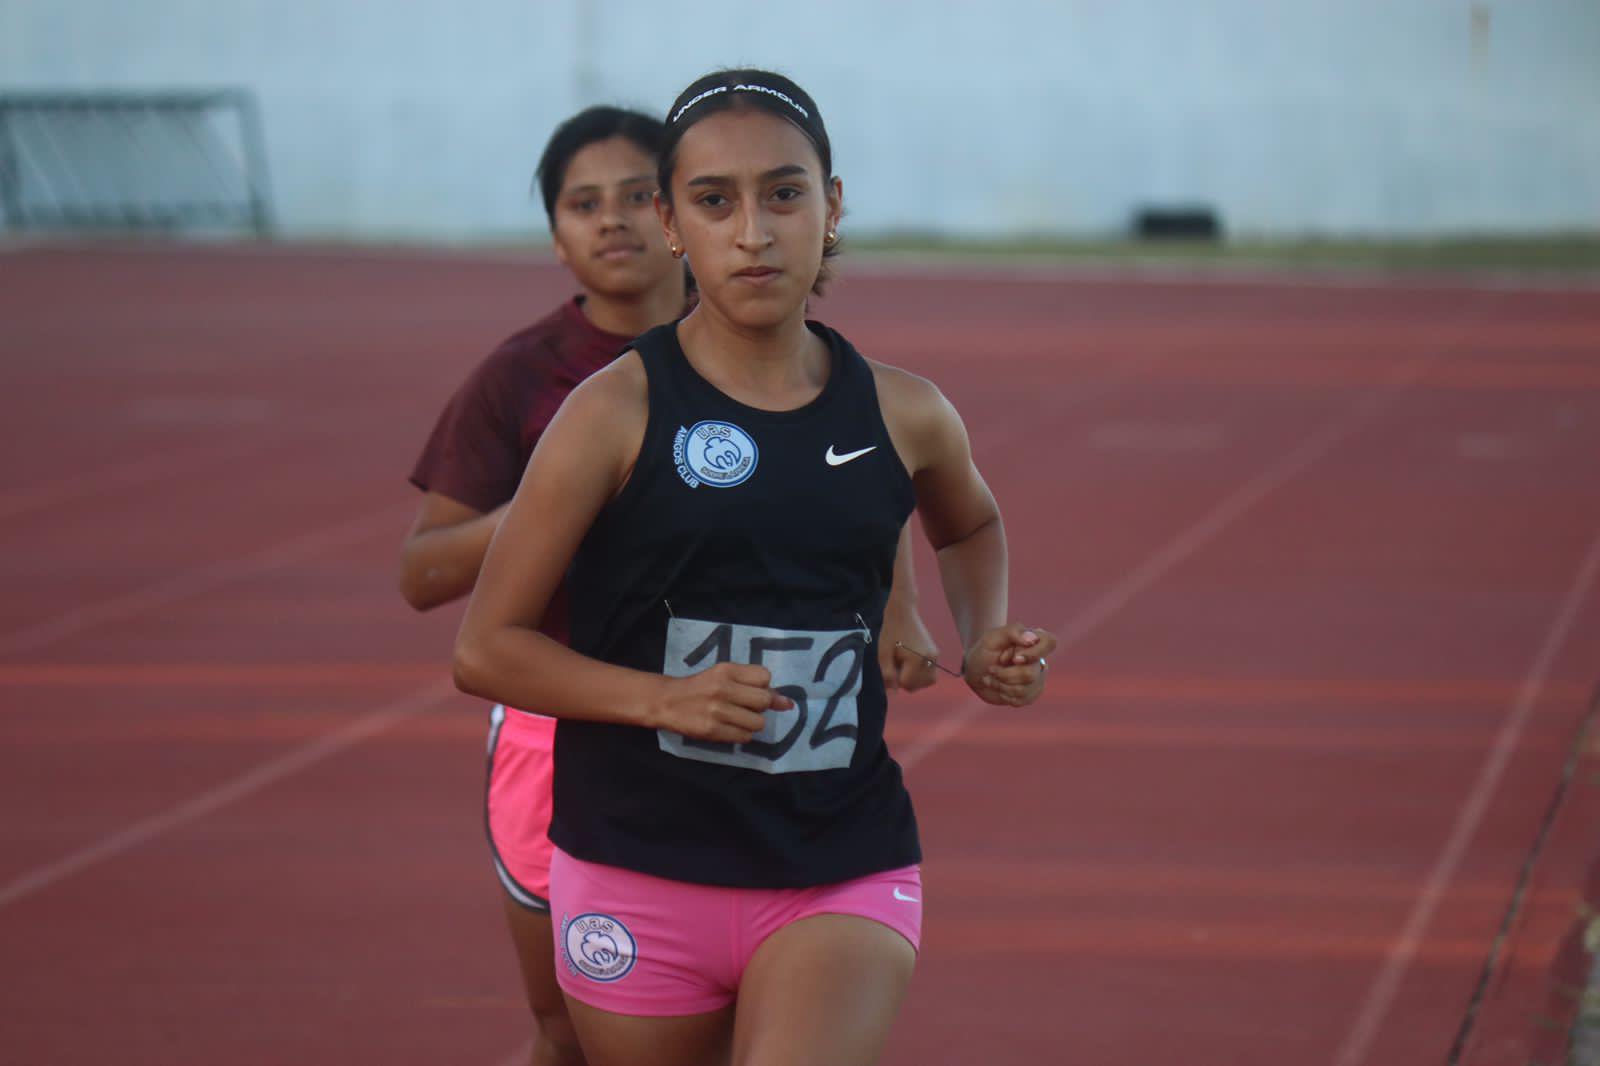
(422, 118)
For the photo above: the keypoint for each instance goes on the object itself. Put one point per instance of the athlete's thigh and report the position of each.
(822, 990)
(631, 1040)
(533, 935)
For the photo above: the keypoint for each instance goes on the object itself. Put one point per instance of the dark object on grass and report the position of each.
(1177, 223)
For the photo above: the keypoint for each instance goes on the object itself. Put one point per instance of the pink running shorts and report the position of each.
(634, 944)
(517, 803)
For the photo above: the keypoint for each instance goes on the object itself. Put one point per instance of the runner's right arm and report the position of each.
(581, 462)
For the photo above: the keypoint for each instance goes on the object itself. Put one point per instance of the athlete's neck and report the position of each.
(776, 367)
(629, 316)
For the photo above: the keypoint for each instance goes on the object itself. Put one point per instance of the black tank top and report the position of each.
(748, 536)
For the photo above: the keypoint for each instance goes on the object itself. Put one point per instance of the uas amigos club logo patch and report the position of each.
(718, 454)
(598, 946)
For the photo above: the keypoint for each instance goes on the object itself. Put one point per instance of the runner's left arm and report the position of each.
(962, 522)
(905, 646)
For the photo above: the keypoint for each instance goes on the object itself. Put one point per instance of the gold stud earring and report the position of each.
(677, 253)
(830, 239)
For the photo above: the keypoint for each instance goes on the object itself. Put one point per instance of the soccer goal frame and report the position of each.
(164, 161)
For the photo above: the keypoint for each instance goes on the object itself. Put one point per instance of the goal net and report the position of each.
(168, 161)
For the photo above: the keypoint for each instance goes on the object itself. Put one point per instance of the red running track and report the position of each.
(1308, 786)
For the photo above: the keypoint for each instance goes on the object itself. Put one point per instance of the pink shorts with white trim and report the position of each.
(641, 945)
(517, 803)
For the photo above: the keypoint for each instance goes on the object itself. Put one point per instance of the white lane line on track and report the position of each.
(192, 582)
(1386, 986)
(237, 788)
(1197, 535)
(122, 475)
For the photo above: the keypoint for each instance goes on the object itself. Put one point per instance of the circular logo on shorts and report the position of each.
(598, 946)
(714, 453)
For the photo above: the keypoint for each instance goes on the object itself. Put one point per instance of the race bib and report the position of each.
(820, 670)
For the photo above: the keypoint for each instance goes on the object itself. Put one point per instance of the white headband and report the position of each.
(742, 89)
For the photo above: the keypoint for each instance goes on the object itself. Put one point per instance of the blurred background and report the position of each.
(1318, 775)
(421, 119)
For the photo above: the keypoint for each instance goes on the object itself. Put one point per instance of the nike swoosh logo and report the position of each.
(835, 459)
(904, 898)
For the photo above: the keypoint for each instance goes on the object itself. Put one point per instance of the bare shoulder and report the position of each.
(601, 424)
(921, 422)
(911, 403)
(621, 379)
(905, 391)
(615, 396)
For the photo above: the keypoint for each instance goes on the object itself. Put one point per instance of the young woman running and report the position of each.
(736, 863)
(596, 178)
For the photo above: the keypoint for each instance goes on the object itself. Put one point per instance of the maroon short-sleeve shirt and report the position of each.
(485, 435)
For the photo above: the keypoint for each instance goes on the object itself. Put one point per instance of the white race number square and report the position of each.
(819, 669)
